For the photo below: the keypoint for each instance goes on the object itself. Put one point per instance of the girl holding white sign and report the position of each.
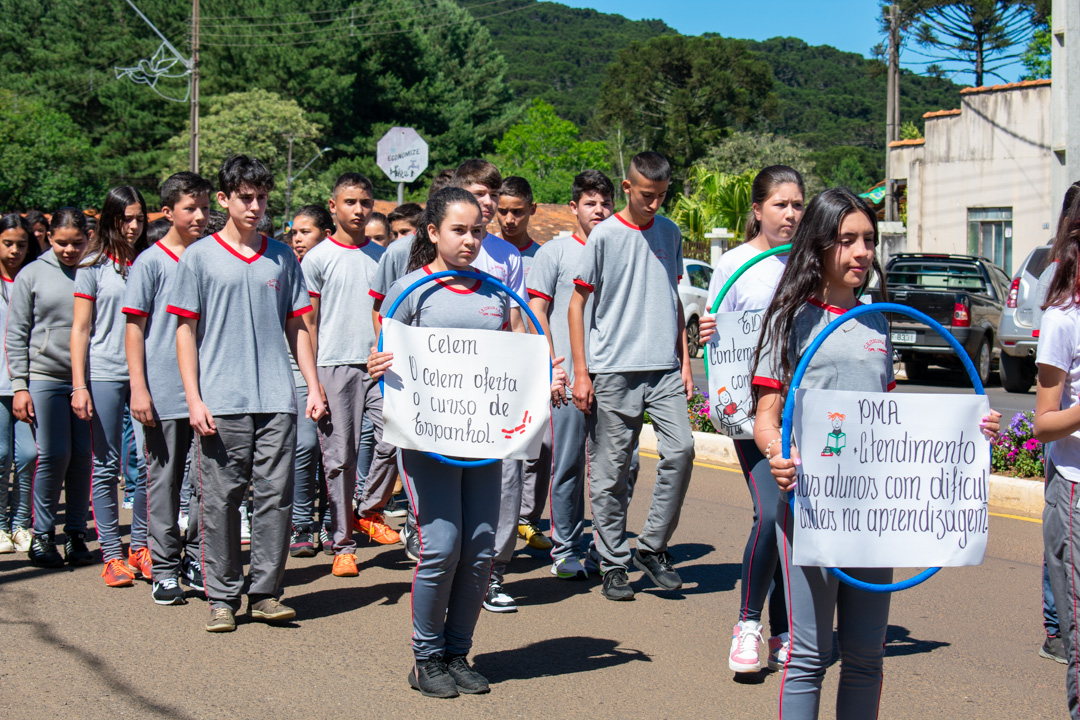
(831, 262)
(777, 195)
(457, 508)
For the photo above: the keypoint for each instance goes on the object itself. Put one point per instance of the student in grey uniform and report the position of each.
(18, 248)
(456, 508)
(631, 267)
(157, 392)
(39, 317)
(838, 234)
(338, 275)
(311, 226)
(239, 295)
(551, 285)
(100, 373)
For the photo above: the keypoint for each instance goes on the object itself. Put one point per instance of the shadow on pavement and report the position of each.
(898, 643)
(348, 597)
(557, 656)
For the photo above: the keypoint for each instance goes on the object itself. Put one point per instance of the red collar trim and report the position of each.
(575, 236)
(10, 280)
(115, 261)
(249, 260)
(635, 227)
(460, 291)
(166, 250)
(831, 308)
(348, 247)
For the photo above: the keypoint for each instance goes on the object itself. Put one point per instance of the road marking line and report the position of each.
(732, 468)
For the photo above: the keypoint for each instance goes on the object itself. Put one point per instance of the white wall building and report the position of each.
(980, 182)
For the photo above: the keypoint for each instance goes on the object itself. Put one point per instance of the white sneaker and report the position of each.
(6, 543)
(779, 651)
(182, 522)
(745, 638)
(22, 539)
(569, 568)
(245, 526)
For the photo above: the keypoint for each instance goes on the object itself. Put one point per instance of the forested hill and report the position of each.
(826, 97)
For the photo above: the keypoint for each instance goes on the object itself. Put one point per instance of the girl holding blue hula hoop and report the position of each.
(831, 263)
(457, 507)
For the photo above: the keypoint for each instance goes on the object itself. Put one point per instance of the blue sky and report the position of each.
(845, 24)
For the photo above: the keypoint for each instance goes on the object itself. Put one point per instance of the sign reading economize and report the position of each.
(730, 355)
(890, 480)
(474, 394)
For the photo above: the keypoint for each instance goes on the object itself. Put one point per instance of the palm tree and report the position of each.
(716, 200)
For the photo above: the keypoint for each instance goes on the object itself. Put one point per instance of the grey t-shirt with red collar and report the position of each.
(393, 265)
(103, 283)
(551, 277)
(478, 306)
(147, 296)
(857, 356)
(241, 305)
(633, 273)
(340, 277)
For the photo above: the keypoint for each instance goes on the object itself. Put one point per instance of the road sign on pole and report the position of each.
(402, 154)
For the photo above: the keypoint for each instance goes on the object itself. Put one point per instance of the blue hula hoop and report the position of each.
(789, 409)
(484, 278)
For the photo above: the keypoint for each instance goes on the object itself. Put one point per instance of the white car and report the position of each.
(694, 293)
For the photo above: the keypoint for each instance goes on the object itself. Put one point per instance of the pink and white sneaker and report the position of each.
(779, 651)
(745, 638)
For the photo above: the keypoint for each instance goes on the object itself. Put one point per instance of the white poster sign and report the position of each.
(473, 394)
(730, 356)
(402, 154)
(890, 479)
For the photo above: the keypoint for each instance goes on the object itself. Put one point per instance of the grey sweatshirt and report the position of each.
(38, 337)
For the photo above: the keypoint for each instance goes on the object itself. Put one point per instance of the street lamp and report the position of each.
(289, 177)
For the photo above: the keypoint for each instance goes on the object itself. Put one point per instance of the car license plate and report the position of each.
(902, 336)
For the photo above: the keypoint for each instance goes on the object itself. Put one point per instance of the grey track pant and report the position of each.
(350, 392)
(64, 459)
(512, 477)
(168, 444)
(109, 398)
(613, 428)
(536, 480)
(456, 512)
(862, 618)
(259, 449)
(1061, 544)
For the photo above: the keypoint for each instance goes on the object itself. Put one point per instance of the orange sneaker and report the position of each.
(117, 574)
(139, 561)
(375, 527)
(345, 565)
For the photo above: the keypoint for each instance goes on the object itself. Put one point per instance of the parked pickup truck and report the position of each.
(966, 294)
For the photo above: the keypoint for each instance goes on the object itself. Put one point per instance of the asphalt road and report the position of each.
(963, 644)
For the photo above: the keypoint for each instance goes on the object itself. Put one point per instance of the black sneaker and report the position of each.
(412, 543)
(301, 544)
(497, 600)
(1054, 649)
(432, 679)
(168, 592)
(326, 542)
(465, 677)
(75, 550)
(43, 552)
(658, 567)
(191, 572)
(617, 585)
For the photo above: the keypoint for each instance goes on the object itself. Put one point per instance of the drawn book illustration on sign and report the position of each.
(837, 440)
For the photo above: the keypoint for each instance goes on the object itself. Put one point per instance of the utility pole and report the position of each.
(194, 147)
(892, 111)
(288, 186)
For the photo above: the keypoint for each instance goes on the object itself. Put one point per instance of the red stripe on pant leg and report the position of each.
(551, 488)
(202, 536)
(791, 615)
(1072, 570)
(753, 550)
(411, 492)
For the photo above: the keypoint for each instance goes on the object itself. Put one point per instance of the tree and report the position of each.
(910, 131)
(749, 152)
(546, 150)
(45, 158)
(851, 175)
(680, 95)
(1036, 59)
(974, 37)
(828, 164)
(716, 199)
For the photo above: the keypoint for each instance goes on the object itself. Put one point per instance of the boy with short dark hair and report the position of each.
(240, 297)
(404, 219)
(636, 361)
(338, 274)
(157, 393)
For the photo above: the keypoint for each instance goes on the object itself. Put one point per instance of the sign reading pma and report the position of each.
(402, 154)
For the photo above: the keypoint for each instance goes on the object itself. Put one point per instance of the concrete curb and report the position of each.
(1006, 493)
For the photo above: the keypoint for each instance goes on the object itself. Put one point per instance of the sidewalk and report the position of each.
(1006, 493)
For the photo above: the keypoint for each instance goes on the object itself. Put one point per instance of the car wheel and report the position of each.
(1016, 374)
(693, 337)
(917, 369)
(982, 360)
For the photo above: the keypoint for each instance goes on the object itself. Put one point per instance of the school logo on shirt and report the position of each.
(660, 255)
(498, 272)
(491, 311)
(274, 283)
(875, 345)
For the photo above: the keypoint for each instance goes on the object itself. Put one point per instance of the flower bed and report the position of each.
(698, 411)
(1016, 451)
